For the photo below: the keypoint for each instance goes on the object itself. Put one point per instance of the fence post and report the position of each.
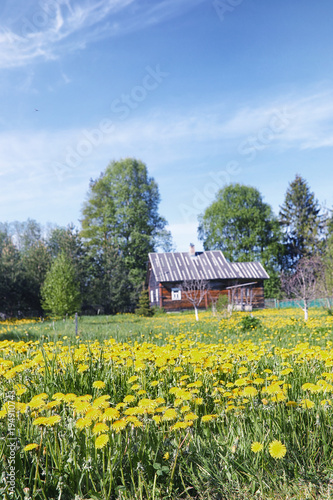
(76, 325)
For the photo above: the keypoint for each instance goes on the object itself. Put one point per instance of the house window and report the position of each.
(156, 294)
(176, 294)
(151, 295)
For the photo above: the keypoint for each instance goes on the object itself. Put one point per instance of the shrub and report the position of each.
(250, 323)
(144, 308)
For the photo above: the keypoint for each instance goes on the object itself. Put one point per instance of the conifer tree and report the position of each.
(301, 221)
(144, 308)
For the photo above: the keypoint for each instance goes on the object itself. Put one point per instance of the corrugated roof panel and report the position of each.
(179, 266)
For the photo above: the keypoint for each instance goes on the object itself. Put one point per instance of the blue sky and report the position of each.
(204, 92)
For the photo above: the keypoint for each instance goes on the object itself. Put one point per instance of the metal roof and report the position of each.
(180, 266)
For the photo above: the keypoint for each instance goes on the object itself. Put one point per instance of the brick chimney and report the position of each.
(192, 250)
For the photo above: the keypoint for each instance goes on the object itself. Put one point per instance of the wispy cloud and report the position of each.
(52, 27)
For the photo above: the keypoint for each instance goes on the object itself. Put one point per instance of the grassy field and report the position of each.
(167, 407)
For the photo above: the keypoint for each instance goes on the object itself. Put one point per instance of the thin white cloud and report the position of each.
(47, 30)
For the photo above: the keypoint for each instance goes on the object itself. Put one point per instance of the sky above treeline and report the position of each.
(205, 93)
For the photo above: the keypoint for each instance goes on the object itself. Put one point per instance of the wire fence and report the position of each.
(283, 304)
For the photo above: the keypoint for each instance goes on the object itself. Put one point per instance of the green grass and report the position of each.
(152, 461)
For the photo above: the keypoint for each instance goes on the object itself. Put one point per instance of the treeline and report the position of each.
(102, 265)
(106, 258)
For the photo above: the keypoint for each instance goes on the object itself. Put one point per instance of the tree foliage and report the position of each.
(144, 308)
(244, 227)
(240, 224)
(302, 222)
(122, 212)
(60, 292)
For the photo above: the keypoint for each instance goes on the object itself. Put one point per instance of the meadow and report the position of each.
(168, 408)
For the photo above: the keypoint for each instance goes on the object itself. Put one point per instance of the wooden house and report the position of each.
(241, 282)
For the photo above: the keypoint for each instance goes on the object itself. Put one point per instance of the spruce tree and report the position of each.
(144, 308)
(301, 221)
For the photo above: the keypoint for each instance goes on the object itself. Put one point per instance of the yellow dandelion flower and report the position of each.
(51, 421)
(129, 399)
(110, 414)
(132, 379)
(31, 446)
(166, 456)
(157, 419)
(170, 414)
(40, 421)
(52, 404)
(135, 387)
(208, 418)
(256, 447)
(99, 384)
(36, 403)
(82, 423)
(94, 414)
(154, 383)
(180, 425)
(101, 441)
(184, 409)
(82, 407)
(277, 449)
(119, 425)
(250, 391)
(258, 381)
(82, 367)
(101, 402)
(134, 421)
(58, 395)
(190, 416)
(99, 428)
(307, 403)
(70, 397)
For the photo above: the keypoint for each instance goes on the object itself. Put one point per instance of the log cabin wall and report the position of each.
(216, 288)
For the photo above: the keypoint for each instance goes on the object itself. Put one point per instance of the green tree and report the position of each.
(302, 223)
(69, 241)
(109, 288)
(244, 227)
(122, 212)
(11, 277)
(60, 292)
(36, 261)
(144, 308)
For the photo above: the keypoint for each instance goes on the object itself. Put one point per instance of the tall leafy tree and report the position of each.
(244, 227)
(302, 222)
(60, 291)
(122, 212)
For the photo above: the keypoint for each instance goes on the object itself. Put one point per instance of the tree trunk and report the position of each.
(305, 311)
(196, 313)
